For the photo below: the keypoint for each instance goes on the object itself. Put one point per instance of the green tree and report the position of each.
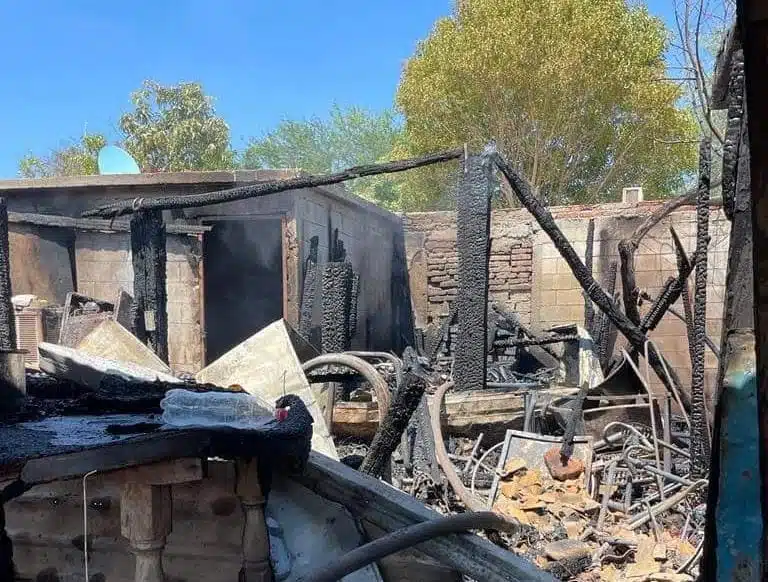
(175, 128)
(348, 137)
(572, 91)
(76, 159)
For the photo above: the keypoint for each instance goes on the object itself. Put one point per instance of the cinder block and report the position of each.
(570, 297)
(549, 266)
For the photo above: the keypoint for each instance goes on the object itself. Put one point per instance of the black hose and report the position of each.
(405, 538)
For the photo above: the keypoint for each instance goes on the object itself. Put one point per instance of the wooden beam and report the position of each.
(96, 223)
(256, 190)
(150, 295)
(390, 509)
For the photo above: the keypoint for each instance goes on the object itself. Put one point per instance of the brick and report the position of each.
(562, 469)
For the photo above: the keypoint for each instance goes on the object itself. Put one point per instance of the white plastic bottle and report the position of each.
(235, 409)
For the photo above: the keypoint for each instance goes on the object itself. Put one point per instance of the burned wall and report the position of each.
(41, 261)
(368, 234)
(530, 277)
(104, 266)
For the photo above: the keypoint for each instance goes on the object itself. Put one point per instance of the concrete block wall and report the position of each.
(528, 273)
(104, 265)
(368, 240)
(557, 297)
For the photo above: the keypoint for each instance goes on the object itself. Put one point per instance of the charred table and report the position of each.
(146, 457)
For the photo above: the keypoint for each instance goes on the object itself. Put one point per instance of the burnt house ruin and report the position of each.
(232, 268)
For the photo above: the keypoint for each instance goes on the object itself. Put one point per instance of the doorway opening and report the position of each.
(243, 280)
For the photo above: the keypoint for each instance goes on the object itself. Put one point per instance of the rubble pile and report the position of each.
(565, 531)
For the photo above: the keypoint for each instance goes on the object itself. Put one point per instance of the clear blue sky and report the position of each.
(68, 64)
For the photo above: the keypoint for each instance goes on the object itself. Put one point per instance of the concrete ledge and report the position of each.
(229, 178)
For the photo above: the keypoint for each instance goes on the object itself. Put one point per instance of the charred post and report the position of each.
(604, 343)
(473, 227)
(7, 319)
(390, 431)
(337, 291)
(589, 309)
(699, 423)
(738, 315)
(150, 296)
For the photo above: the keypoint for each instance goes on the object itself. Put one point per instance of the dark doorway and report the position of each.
(243, 281)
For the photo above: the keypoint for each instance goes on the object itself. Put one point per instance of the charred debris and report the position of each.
(590, 471)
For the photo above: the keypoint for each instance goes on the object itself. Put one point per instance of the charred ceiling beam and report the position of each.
(266, 188)
(473, 228)
(150, 297)
(605, 303)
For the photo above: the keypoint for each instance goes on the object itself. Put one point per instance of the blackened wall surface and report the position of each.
(243, 281)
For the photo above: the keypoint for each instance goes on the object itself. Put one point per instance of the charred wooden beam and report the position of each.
(407, 398)
(683, 264)
(734, 128)
(7, 318)
(473, 227)
(604, 302)
(337, 292)
(150, 296)
(700, 444)
(629, 291)
(267, 188)
(589, 309)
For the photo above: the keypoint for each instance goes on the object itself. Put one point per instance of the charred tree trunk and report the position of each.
(700, 445)
(7, 319)
(390, 431)
(473, 224)
(150, 297)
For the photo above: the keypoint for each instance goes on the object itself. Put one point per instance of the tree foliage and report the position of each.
(572, 91)
(175, 128)
(347, 137)
(76, 159)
